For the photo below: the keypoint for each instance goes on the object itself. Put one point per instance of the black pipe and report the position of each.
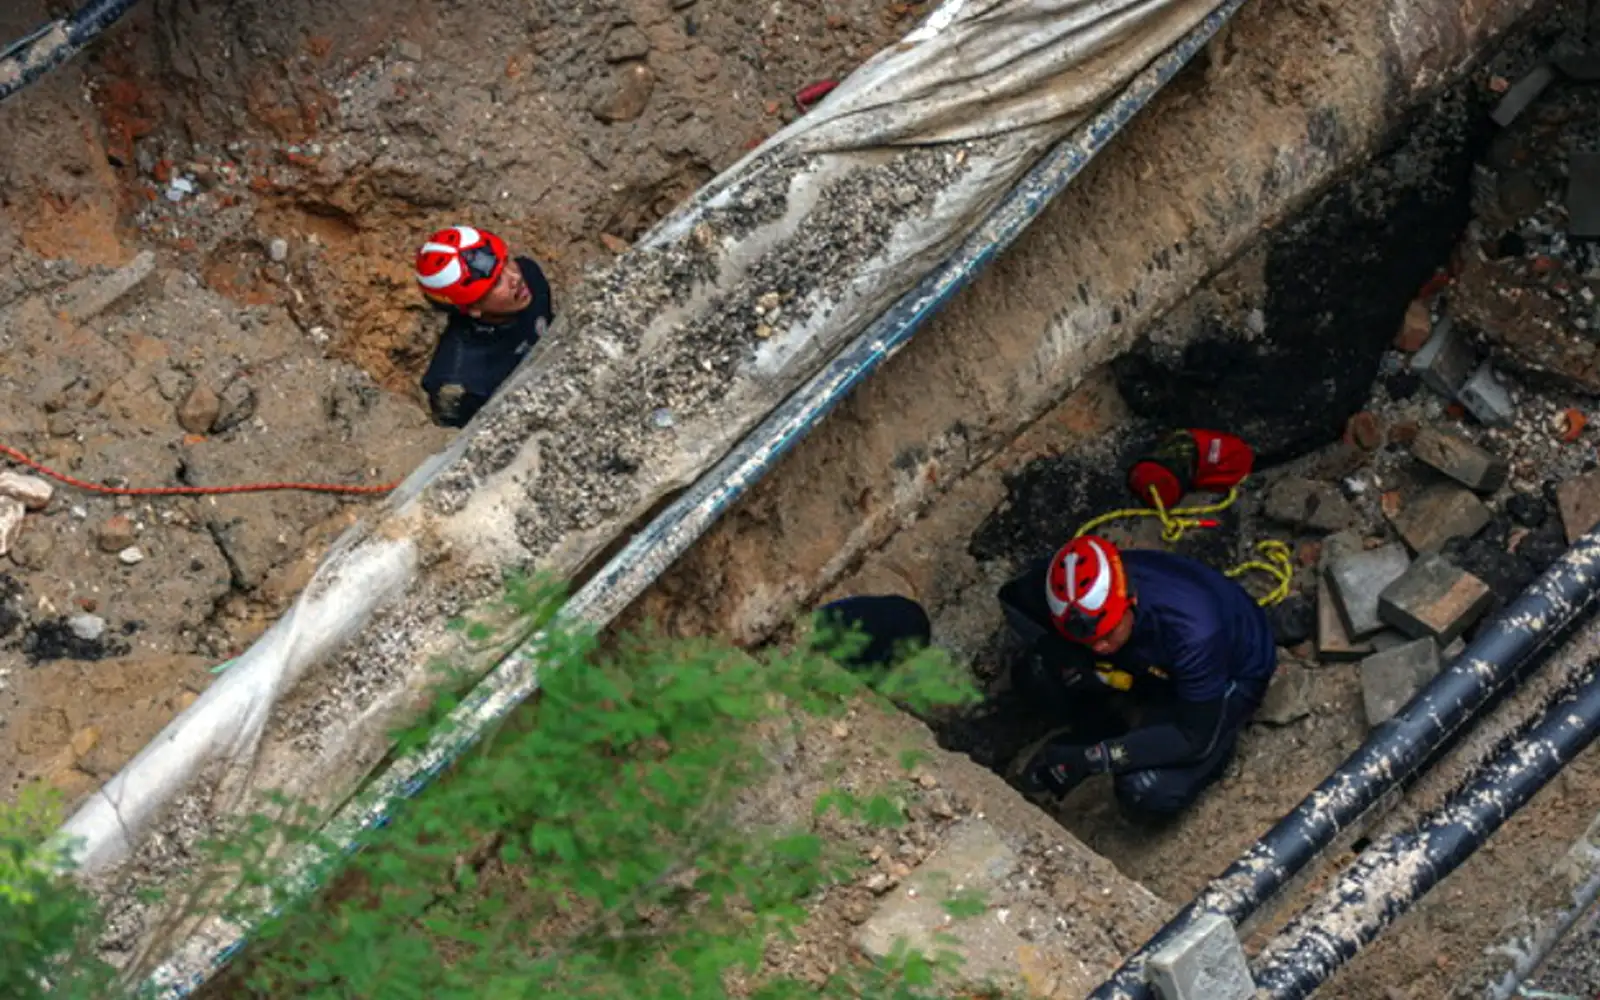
(1391, 753)
(1396, 872)
(31, 57)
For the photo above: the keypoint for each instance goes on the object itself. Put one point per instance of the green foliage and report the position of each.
(46, 922)
(595, 847)
(595, 851)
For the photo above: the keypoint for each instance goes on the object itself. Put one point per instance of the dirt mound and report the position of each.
(279, 161)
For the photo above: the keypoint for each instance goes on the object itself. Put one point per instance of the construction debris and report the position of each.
(1461, 460)
(1390, 678)
(35, 493)
(1307, 503)
(90, 297)
(1434, 599)
(1446, 360)
(1486, 398)
(1579, 502)
(1440, 513)
(1583, 195)
(1357, 578)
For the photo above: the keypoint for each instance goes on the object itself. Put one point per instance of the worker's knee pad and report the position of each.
(1156, 792)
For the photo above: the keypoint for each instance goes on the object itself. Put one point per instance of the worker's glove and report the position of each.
(1058, 768)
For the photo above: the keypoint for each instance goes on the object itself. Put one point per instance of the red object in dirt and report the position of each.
(189, 491)
(1455, 411)
(1187, 460)
(807, 96)
(1365, 431)
(1574, 422)
(1434, 285)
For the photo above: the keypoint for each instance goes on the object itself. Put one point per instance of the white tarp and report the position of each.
(656, 367)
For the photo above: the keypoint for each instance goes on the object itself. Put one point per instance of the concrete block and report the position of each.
(1307, 503)
(1434, 599)
(1579, 502)
(89, 297)
(1583, 194)
(1486, 399)
(1333, 639)
(1445, 360)
(973, 857)
(1390, 678)
(1357, 578)
(1521, 94)
(1461, 460)
(1205, 962)
(1439, 514)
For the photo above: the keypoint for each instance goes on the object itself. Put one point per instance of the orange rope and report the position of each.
(189, 491)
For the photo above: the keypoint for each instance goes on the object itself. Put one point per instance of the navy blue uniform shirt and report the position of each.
(1194, 630)
(474, 357)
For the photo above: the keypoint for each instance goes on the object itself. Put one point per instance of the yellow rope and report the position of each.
(1274, 556)
(1275, 561)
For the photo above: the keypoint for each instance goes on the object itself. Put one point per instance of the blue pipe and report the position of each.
(633, 569)
(31, 57)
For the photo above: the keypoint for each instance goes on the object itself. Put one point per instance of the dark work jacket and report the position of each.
(1198, 641)
(473, 357)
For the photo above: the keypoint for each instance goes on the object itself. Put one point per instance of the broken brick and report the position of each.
(1391, 678)
(1461, 460)
(1307, 503)
(1446, 360)
(1439, 514)
(1357, 578)
(1415, 328)
(1403, 432)
(1579, 502)
(1365, 431)
(1434, 599)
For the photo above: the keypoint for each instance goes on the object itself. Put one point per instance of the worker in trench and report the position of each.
(1152, 662)
(499, 308)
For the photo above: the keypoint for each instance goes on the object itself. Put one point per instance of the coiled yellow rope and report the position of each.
(1274, 557)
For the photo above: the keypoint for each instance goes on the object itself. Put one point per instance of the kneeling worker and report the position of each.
(497, 313)
(1191, 648)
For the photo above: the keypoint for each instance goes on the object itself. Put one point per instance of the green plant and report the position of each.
(591, 850)
(47, 923)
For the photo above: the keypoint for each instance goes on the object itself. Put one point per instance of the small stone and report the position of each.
(1307, 503)
(840, 731)
(1486, 399)
(927, 780)
(87, 627)
(1461, 460)
(115, 534)
(1389, 679)
(939, 806)
(1440, 513)
(12, 513)
(199, 410)
(83, 741)
(625, 43)
(1527, 510)
(614, 244)
(408, 50)
(131, 556)
(1357, 578)
(1333, 638)
(1288, 698)
(32, 549)
(1579, 502)
(1434, 599)
(1446, 360)
(1308, 553)
(61, 425)
(90, 297)
(35, 493)
(1415, 328)
(878, 883)
(238, 404)
(1365, 431)
(626, 95)
(278, 250)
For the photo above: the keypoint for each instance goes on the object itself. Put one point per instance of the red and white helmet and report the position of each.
(459, 265)
(1087, 589)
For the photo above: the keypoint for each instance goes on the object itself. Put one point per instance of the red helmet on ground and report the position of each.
(459, 265)
(1087, 589)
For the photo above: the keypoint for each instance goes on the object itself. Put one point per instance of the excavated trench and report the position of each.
(1011, 419)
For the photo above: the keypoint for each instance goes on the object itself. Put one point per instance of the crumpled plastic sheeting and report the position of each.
(655, 369)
